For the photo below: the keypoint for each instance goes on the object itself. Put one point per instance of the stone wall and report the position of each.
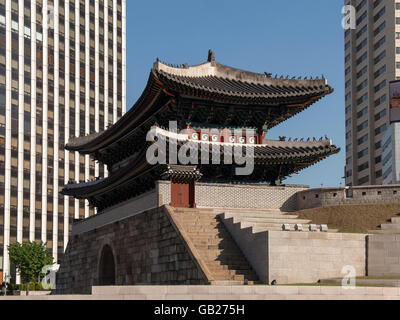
(119, 212)
(384, 255)
(299, 257)
(212, 195)
(306, 257)
(314, 198)
(286, 198)
(147, 249)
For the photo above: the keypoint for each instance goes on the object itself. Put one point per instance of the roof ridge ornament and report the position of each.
(211, 56)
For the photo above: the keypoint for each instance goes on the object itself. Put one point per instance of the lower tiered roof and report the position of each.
(274, 160)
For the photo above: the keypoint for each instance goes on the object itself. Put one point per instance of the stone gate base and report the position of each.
(146, 248)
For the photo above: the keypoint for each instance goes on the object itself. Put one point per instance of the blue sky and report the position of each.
(291, 37)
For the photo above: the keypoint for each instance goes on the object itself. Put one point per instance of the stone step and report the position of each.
(271, 220)
(197, 215)
(225, 260)
(232, 261)
(213, 242)
(391, 227)
(234, 278)
(395, 220)
(203, 218)
(217, 265)
(199, 238)
(221, 246)
(208, 242)
(199, 229)
(225, 252)
(260, 229)
(202, 233)
(204, 237)
(226, 264)
(197, 211)
(195, 223)
(384, 231)
(227, 272)
(250, 210)
(201, 221)
(271, 226)
(305, 229)
(259, 215)
(232, 283)
(274, 222)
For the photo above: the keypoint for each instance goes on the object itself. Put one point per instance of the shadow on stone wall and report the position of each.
(290, 205)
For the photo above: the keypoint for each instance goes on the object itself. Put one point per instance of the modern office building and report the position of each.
(372, 60)
(391, 155)
(62, 74)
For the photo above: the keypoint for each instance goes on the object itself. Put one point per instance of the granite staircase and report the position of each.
(392, 227)
(261, 220)
(215, 247)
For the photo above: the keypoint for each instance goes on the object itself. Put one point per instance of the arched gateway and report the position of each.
(107, 267)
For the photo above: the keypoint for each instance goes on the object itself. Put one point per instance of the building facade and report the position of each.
(62, 74)
(372, 60)
(391, 155)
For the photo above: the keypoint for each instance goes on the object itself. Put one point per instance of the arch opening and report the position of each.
(107, 267)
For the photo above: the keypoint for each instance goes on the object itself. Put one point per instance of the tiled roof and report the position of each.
(271, 151)
(182, 173)
(215, 78)
(302, 153)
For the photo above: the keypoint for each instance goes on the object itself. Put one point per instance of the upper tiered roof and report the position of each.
(222, 83)
(250, 99)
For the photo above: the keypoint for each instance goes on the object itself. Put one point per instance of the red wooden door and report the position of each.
(180, 195)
